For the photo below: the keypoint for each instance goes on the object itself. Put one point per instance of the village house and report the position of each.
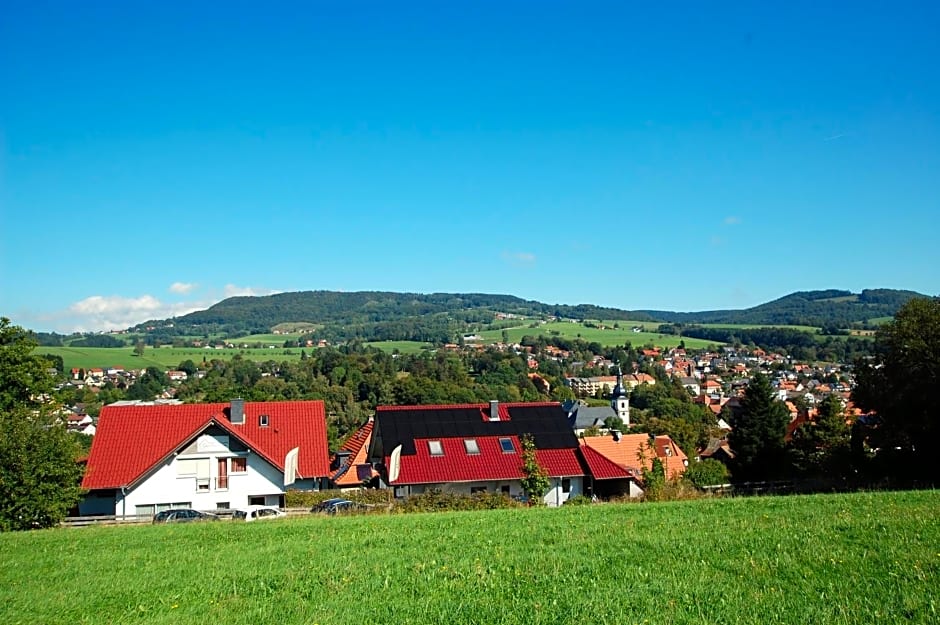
(469, 448)
(147, 458)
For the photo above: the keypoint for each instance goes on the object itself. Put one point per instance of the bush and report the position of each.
(579, 500)
(438, 501)
(310, 498)
(708, 472)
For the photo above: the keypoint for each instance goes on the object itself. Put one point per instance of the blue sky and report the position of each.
(158, 157)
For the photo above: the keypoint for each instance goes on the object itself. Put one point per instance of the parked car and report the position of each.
(183, 515)
(338, 505)
(257, 513)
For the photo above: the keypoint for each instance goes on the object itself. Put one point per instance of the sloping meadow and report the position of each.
(859, 558)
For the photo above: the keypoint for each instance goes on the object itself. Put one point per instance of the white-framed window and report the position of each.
(238, 465)
(507, 446)
(470, 444)
(263, 421)
(222, 505)
(435, 448)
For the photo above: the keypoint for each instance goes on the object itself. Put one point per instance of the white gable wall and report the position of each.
(167, 486)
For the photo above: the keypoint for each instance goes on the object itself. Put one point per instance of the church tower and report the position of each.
(619, 400)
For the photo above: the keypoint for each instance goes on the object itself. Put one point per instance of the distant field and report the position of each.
(880, 320)
(748, 326)
(859, 558)
(274, 339)
(403, 347)
(163, 357)
(607, 337)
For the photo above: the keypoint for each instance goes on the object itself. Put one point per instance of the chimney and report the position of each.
(494, 410)
(616, 435)
(237, 412)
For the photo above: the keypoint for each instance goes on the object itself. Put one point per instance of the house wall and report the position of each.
(556, 495)
(165, 486)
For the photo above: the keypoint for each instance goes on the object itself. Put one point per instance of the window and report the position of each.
(507, 446)
(239, 465)
(470, 444)
(144, 511)
(256, 501)
(222, 505)
(263, 421)
(202, 484)
(504, 489)
(477, 489)
(435, 448)
(566, 485)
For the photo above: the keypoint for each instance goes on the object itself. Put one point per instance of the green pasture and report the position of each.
(825, 559)
(267, 339)
(403, 347)
(609, 336)
(165, 357)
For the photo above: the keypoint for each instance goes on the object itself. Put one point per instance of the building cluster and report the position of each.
(147, 457)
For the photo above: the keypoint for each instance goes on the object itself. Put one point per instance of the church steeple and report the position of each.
(619, 400)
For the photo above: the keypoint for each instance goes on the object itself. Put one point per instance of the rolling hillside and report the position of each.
(439, 317)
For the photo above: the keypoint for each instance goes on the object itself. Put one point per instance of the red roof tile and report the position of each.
(602, 468)
(132, 440)
(456, 465)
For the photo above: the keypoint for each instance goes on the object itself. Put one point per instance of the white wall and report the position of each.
(556, 495)
(166, 486)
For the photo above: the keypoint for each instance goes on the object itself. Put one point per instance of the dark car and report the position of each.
(183, 515)
(338, 505)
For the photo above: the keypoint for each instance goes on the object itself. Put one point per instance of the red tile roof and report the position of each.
(358, 446)
(602, 468)
(132, 440)
(456, 465)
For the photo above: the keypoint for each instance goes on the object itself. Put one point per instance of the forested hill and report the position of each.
(830, 308)
(440, 317)
(358, 313)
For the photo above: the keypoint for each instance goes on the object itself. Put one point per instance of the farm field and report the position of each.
(163, 357)
(609, 336)
(855, 558)
(403, 347)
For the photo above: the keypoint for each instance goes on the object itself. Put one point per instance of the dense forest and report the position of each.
(830, 308)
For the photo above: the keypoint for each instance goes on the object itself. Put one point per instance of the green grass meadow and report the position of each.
(858, 558)
(162, 357)
(608, 336)
(403, 347)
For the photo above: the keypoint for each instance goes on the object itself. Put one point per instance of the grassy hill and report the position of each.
(858, 558)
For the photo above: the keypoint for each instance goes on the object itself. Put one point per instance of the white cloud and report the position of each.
(232, 290)
(115, 312)
(182, 287)
(99, 313)
(519, 258)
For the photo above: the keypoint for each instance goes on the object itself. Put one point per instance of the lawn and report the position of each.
(858, 558)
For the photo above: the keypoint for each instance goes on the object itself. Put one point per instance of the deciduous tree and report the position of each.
(899, 385)
(39, 475)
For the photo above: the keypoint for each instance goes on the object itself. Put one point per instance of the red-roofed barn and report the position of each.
(146, 458)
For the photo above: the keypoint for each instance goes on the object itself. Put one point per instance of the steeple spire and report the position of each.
(619, 400)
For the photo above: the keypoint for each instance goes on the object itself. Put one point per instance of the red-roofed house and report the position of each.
(633, 454)
(146, 458)
(351, 467)
(467, 448)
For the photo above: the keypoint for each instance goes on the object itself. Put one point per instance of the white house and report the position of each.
(205, 456)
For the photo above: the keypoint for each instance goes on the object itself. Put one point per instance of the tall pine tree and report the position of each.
(758, 432)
